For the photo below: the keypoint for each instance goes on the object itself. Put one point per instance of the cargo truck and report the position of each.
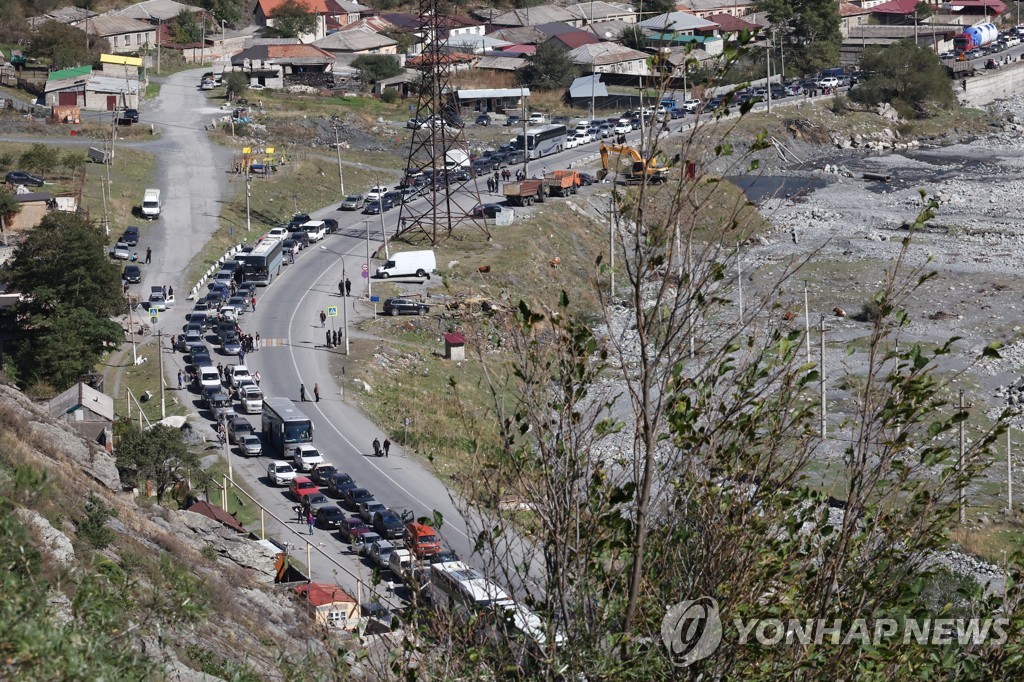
(151, 203)
(561, 183)
(524, 193)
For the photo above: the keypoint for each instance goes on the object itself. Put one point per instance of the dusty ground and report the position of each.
(857, 225)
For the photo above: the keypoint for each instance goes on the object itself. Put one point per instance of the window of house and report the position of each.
(138, 38)
(127, 39)
(115, 41)
(337, 618)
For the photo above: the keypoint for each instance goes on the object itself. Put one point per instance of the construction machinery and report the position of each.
(651, 168)
(562, 183)
(524, 193)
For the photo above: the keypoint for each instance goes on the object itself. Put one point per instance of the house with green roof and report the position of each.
(80, 87)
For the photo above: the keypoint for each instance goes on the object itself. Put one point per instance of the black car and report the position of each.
(301, 238)
(388, 524)
(338, 484)
(515, 157)
(329, 517)
(130, 236)
(487, 210)
(331, 224)
(323, 473)
(298, 219)
(23, 178)
(132, 274)
(201, 305)
(483, 120)
(403, 306)
(354, 496)
(513, 120)
(560, 120)
(377, 207)
(128, 116)
(586, 179)
(200, 357)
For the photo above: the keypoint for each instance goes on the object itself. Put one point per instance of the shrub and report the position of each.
(389, 96)
(93, 527)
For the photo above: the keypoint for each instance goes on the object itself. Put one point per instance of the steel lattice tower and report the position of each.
(449, 200)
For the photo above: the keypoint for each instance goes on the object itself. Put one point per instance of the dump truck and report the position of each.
(561, 183)
(651, 168)
(524, 193)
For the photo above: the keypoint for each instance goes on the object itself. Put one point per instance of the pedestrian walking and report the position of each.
(170, 291)
(328, 344)
(149, 255)
(309, 522)
(302, 393)
(181, 380)
(241, 357)
(341, 287)
(348, 287)
(391, 588)
(307, 509)
(323, 319)
(165, 291)
(387, 447)
(220, 371)
(253, 302)
(376, 447)
(256, 377)
(256, 342)
(316, 392)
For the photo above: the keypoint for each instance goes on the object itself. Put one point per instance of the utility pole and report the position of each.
(341, 174)
(248, 193)
(159, 28)
(821, 373)
(611, 251)
(344, 309)
(369, 293)
(960, 465)
(1009, 470)
(202, 50)
(131, 333)
(113, 134)
(768, 84)
(383, 230)
(526, 139)
(739, 277)
(807, 322)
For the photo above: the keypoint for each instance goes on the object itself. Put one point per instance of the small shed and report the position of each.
(454, 346)
(330, 605)
(87, 410)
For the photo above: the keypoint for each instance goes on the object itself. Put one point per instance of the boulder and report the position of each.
(54, 543)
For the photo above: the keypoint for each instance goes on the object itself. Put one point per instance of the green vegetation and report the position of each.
(235, 84)
(231, 11)
(152, 90)
(809, 32)
(9, 207)
(131, 172)
(548, 69)
(65, 46)
(292, 19)
(185, 29)
(157, 454)
(64, 323)
(376, 67)
(909, 77)
(92, 528)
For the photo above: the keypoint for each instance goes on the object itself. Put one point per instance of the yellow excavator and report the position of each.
(651, 168)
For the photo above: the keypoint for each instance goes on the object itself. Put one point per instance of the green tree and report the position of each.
(293, 19)
(406, 41)
(235, 84)
(376, 67)
(633, 37)
(65, 46)
(157, 454)
(653, 8)
(40, 158)
(93, 526)
(59, 347)
(185, 28)
(73, 160)
(809, 31)
(63, 264)
(909, 77)
(9, 207)
(548, 69)
(230, 11)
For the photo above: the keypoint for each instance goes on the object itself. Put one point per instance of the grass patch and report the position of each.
(244, 509)
(146, 377)
(131, 172)
(994, 543)
(152, 90)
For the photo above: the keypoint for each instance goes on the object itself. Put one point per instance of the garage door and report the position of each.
(67, 99)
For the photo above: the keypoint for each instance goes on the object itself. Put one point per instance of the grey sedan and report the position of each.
(353, 202)
(251, 446)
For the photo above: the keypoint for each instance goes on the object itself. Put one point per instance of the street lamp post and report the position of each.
(341, 174)
(248, 193)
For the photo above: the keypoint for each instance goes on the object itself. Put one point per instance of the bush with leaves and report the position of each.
(40, 158)
(93, 526)
(158, 454)
(376, 67)
(65, 46)
(292, 19)
(909, 77)
(549, 68)
(235, 84)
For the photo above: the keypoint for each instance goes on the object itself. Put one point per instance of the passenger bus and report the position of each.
(542, 141)
(263, 262)
(284, 425)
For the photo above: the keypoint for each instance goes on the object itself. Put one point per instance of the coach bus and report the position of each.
(284, 425)
(263, 262)
(542, 141)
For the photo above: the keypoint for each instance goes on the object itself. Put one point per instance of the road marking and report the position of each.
(273, 343)
(330, 422)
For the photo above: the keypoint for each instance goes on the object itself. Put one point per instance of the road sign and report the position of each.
(153, 312)
(374, 299)
(332, 311)
(153, 319)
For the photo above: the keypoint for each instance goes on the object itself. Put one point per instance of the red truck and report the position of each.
(561, 183)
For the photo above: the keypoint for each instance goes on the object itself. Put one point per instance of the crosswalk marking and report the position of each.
(271, 343)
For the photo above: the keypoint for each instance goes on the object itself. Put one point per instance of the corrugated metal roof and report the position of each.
(109, 25)
(110, 84)
(354, 41)
(581, 87)
(677, 21)
(319, 594)
(534, 16)
(73, 72)
(605, 53)
(501, 63)
(217, 514)
(154, 10)
(492, 93)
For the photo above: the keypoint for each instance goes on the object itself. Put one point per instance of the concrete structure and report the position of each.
(705, 8)
(678, 29)
(356, 42)
(125, 34)
(87, 410)
(154, 11)
(492, 99)
(330, 605)
(71, 16)
(455, 346)
(274, 63)
(850, 15)
(610, 58)
(81, 87)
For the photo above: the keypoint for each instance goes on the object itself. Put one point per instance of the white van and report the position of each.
(252, 400)
(376, 193)
(418, 263)
(209, 378)
(151, 203)
(316, 229)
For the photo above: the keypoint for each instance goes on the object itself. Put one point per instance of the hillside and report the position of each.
(100, 585)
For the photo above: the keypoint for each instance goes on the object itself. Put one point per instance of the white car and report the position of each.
(691, 105)
(280, 473)
(584, 138)
(120, 251)
(307, 457)
(571, 142)
(238, 375)
(279, 232)
(829, 82)
(537, 118)
(376, 193)
(251, 399)
(622, 127)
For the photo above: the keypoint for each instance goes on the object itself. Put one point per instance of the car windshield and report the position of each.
(306, 485)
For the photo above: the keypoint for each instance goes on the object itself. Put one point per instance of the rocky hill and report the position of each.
(101, 584)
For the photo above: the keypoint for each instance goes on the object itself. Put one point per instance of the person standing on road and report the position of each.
(309, 522)
(256, 342)
(341, 287)
(323, 319)
(316, 392)
(181, 380)
(253, 302)
(302, 393)
(149, 255)
(256, 377)
(328, 344)
(387, 447)
(376, 447)
(335, 340)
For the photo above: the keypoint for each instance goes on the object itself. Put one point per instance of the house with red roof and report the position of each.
(330, 14)
(330, 605)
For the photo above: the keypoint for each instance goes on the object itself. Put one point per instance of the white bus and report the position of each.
(285, 426)
(264, 262)
(542, 141)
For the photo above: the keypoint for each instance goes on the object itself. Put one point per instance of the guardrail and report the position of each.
(213, 269)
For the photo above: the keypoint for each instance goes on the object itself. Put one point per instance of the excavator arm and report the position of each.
(650, 167)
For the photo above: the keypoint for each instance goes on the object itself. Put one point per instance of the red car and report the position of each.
(352, 528)
(300, 487)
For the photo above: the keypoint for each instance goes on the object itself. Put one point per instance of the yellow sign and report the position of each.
(120, 59)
